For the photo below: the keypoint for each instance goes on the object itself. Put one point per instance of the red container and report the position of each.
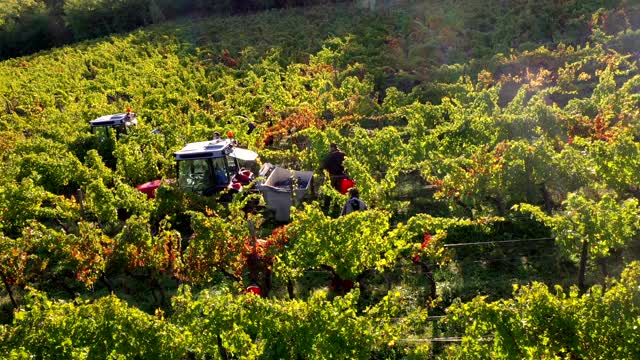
(345, 185)
(149, 188)
(255, 290)
(244, 176)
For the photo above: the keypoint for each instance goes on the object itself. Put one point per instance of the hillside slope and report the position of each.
(497, 146)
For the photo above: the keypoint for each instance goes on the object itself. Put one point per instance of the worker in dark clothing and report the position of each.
(333, 164)
(354, 203)
(252, 127)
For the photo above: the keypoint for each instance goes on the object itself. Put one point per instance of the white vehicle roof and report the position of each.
(244, 154)
(114, 120)
(214, 149)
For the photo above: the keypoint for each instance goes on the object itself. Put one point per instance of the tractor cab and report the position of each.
(208, 167)
(120, 123)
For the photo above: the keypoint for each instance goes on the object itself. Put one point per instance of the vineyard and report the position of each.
(496, 146)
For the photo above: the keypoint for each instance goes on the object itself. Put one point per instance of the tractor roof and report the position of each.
(205, 150)
(214, 149)
(114, 120)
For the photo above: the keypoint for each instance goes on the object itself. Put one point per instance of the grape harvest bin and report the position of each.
(282, 188)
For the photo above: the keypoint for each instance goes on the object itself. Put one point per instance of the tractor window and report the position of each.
(121, 130)
(232, 163)
(220, 171)
(195, 175)
(101, 131)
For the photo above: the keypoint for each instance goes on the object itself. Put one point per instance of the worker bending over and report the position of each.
(354, 203)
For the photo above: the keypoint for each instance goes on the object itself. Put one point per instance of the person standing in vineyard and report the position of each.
(128, 116)
(354, 203)
(333, 164)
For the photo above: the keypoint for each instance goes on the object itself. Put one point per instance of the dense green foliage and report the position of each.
(461, 125)
(536, 323)
(210, 326)
(541, 324)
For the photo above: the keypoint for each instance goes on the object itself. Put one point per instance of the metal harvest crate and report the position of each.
(282, 188)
